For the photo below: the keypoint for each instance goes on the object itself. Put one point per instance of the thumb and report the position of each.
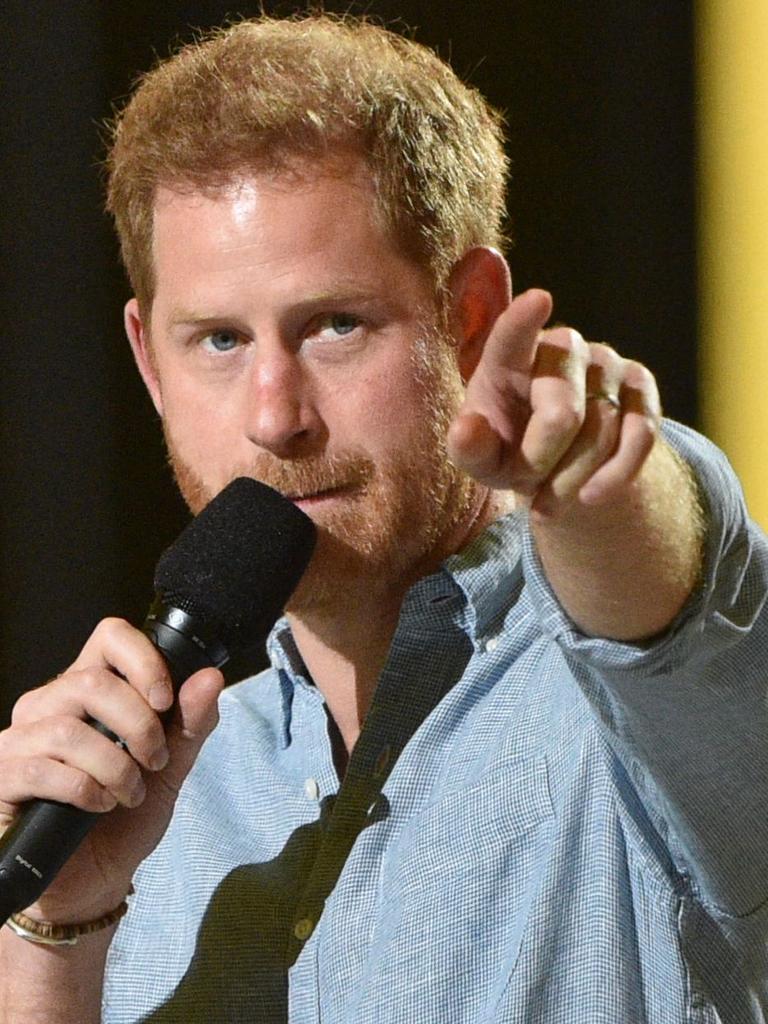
(474, 447)
(195, 716)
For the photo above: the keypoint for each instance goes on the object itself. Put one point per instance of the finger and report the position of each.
(598, 435)
(640, 426)
(194, 718)
(595, 443)
(98, 693)
(41, 778)
(511, 345)
(475, 448)
(557, 400)
(486, 445)
(606, 371)
(73, 742)
(116, 644)
(499, 387)
(495, 407)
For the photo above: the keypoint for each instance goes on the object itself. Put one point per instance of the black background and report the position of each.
(599, 102)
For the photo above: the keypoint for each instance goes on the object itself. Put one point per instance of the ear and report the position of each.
(138, 336)
(481, 289)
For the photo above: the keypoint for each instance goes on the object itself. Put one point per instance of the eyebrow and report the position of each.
(338, 295)
(189, 318)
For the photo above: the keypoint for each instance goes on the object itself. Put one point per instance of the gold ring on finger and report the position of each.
(604, 396)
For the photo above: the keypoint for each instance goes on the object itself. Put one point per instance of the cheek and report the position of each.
(413, 406)
(390, 402)
(203, 431)
(191, 403)
(383, 412)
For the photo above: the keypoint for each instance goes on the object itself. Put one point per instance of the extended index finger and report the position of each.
(511, 345)
(495, 408)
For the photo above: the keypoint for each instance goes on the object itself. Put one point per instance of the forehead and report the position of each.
(297, 209)
(300, 228)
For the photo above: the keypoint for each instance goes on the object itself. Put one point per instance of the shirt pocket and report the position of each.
(458, 885)
(475, 826)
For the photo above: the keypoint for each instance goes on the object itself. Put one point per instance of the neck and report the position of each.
(345, 644)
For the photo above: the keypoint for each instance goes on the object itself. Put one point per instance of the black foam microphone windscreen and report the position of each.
(238, 561)
(220, 585)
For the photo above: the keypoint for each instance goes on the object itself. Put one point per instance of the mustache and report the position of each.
(300, 478)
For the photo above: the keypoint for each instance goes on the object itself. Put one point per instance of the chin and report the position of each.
(338, 571)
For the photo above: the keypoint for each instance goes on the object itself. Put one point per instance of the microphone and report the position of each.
(221, 584)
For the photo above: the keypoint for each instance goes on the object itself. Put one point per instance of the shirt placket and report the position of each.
(404, 697)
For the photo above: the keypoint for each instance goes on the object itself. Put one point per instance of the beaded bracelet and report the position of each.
(47, 933)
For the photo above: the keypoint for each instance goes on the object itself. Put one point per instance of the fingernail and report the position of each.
(138, 793)
(160, 697)
(108, 801)
(159, 759)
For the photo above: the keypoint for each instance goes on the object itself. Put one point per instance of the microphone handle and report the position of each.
(46, 833)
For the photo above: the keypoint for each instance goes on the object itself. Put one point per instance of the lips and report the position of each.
(314, 495)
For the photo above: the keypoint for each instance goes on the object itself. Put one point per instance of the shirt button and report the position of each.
(491, 644)
(303, 929)
(311, 789)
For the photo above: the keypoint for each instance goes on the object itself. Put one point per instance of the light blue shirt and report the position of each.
(536, 826)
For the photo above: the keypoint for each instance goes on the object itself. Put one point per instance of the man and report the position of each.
(509, 762)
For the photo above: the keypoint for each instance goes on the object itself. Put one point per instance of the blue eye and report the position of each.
(338, 325)
(343, 323)
(220, 341)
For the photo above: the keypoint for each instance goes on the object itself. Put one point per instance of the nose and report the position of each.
(281, 416)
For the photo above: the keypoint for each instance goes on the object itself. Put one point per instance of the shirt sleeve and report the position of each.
(687, 712)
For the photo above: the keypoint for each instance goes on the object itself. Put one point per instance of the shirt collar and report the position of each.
(483, 578)
(291, 671)
(489, 571)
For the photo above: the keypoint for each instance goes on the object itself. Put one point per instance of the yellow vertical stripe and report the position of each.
(732, 47)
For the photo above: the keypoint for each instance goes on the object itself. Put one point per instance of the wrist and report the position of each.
(79, 908)
(48, 932)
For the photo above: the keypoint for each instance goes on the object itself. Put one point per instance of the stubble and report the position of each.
(392, 519)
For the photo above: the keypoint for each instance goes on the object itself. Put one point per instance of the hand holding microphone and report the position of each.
(219, 586)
